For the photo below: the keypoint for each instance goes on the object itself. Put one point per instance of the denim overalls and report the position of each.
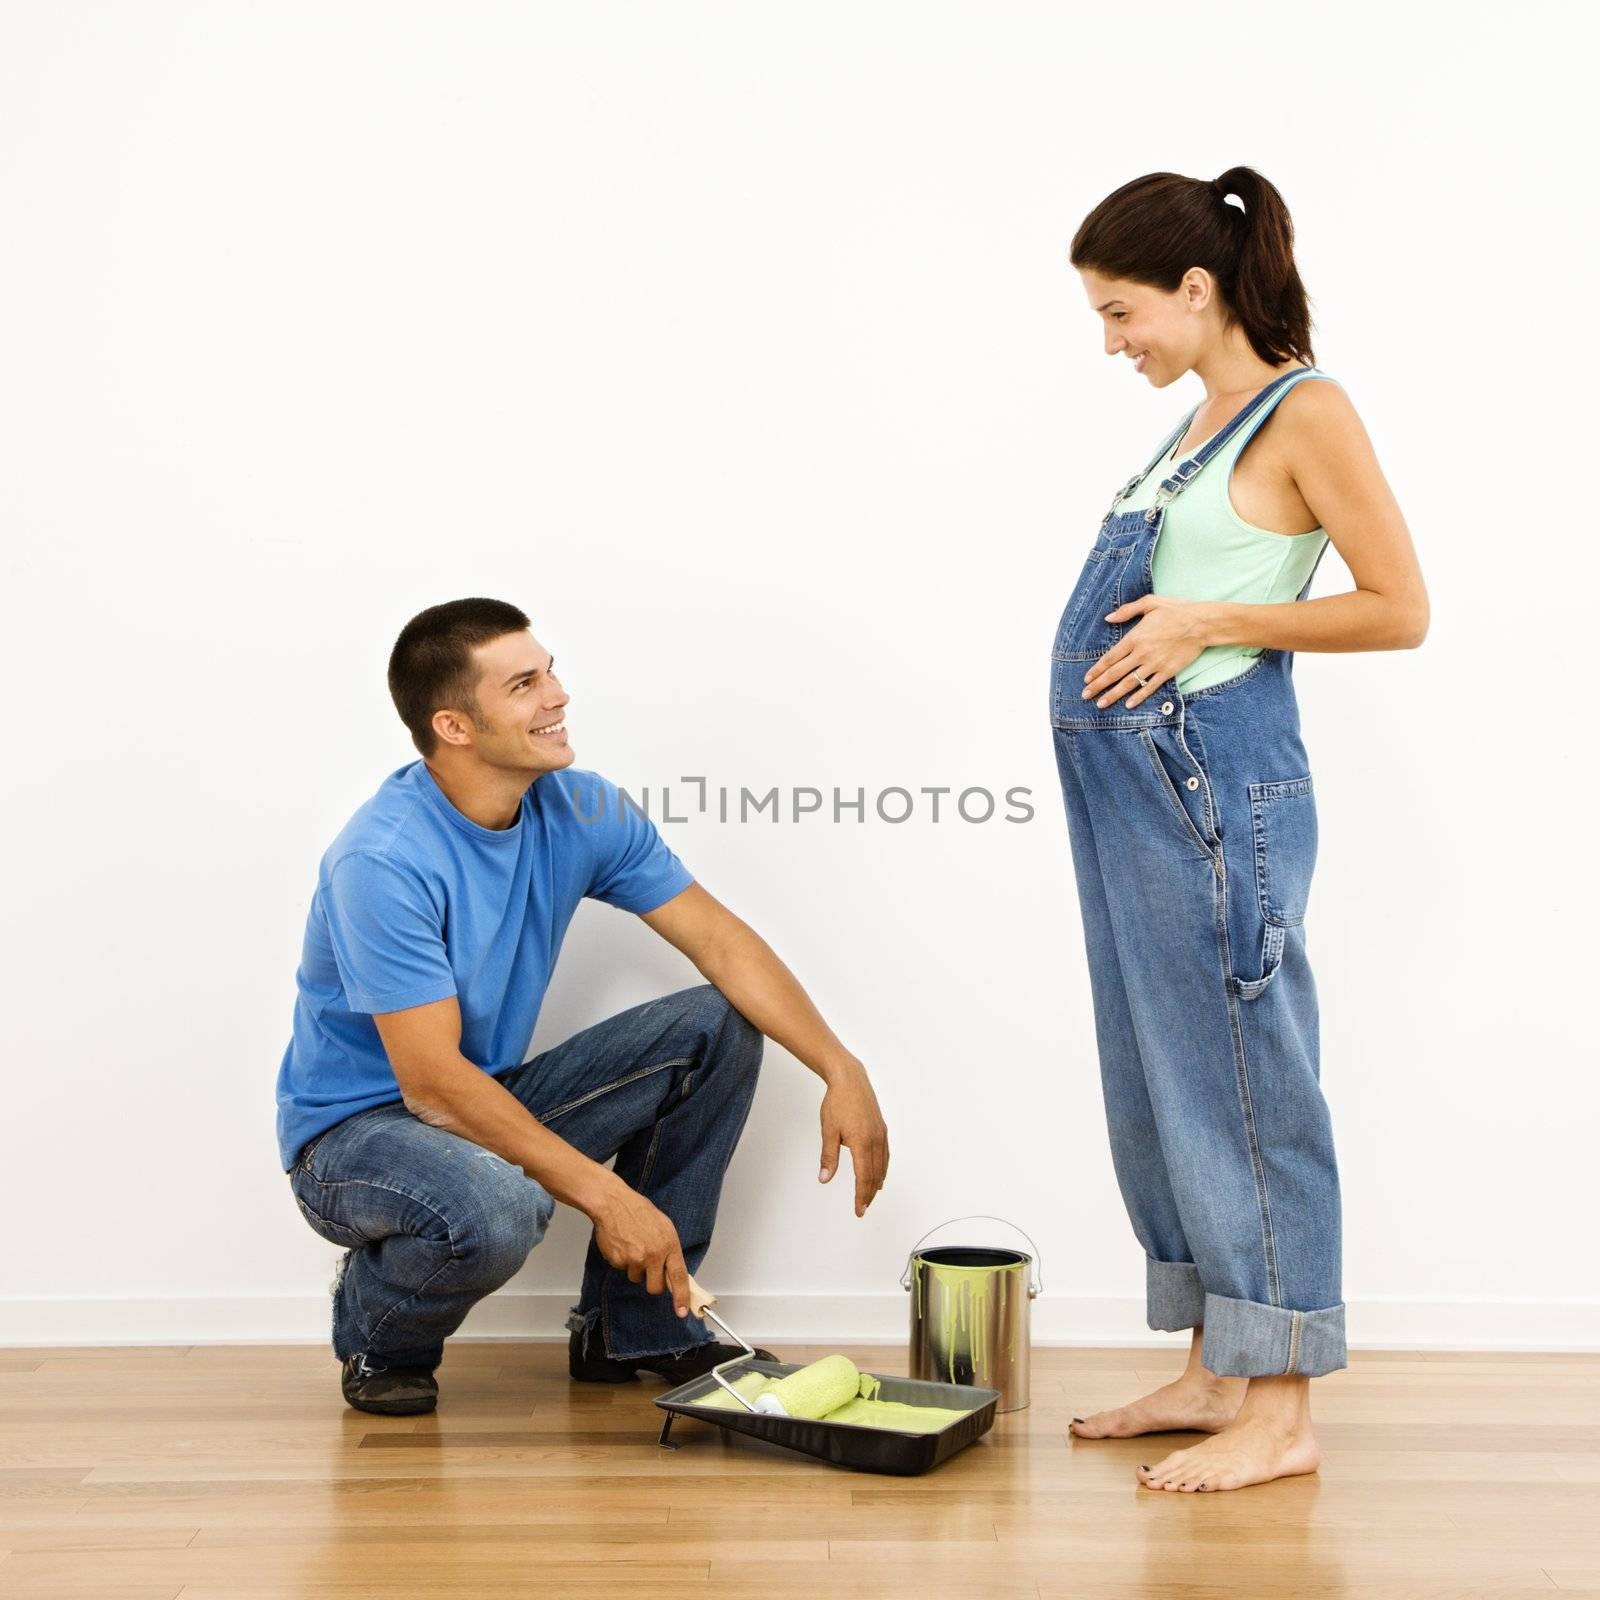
(1194, 833)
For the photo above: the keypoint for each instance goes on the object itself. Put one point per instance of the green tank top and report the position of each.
(1207, 551)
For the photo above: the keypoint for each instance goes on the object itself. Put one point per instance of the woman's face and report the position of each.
(1157, 331)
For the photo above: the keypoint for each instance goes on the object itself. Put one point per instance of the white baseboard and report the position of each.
(1057, 1320)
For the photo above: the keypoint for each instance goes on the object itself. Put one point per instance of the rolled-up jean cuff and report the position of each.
(1173, 1294)
(1248, 1339)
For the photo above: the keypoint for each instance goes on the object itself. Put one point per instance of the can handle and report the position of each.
(1034, 1289)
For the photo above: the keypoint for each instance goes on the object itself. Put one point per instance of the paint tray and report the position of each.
(845, 1444)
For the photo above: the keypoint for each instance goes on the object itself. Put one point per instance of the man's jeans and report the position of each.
(434, 1222)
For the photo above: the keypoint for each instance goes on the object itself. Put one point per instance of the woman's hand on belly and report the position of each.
(1169, 635)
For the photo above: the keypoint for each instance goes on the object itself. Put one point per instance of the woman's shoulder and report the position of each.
(1318, 395)
(1322, 443)
(1317, 411)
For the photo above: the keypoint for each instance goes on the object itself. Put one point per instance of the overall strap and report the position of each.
(1249, 418)
(1139, 477)
(1322, 550)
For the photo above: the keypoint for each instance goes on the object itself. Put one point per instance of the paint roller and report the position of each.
(811, 1392)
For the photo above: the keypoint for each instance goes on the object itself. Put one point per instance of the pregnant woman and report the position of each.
(1191, 809)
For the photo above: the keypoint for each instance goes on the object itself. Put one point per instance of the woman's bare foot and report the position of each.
(1199, 1400)
(1243, 1453)
(1270, 1438)
(1185, 1404)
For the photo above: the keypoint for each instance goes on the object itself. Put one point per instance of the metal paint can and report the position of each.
(970, 1314)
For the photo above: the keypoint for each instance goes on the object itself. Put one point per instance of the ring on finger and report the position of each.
(1124, 685)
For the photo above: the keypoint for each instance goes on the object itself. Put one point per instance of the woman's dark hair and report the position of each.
(1155, 228)
(431, 665)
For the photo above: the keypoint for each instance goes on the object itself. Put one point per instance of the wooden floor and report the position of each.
(237, 1471)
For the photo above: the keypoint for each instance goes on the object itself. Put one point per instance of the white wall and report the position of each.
(738, 345)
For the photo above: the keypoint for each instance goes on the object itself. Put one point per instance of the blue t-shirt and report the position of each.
(416, 902)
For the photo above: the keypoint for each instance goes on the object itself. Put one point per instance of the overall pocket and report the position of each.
(1180, 778)
(1084, 633)
(1283, 824)
(1283, 829)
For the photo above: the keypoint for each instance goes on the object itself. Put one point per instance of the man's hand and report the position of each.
(636, 1237)
(850, 1117)
(737, 960)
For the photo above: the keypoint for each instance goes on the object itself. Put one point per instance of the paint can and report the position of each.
(970, 1314)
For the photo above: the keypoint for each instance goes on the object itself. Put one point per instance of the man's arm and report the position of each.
(441, 1087)
(733, 956)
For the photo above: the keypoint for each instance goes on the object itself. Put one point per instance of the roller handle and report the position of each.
(1034, 1288)
(700, 1303)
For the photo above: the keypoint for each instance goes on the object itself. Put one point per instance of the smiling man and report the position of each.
(412, 1131)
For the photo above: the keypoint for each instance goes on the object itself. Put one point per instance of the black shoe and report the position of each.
(390, 1391)
(675, 1369)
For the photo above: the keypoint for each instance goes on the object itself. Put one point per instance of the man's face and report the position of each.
(520, 706)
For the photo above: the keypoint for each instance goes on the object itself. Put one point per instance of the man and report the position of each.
(411, 1130)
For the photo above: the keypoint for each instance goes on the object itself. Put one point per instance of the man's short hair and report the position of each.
(431, 666)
